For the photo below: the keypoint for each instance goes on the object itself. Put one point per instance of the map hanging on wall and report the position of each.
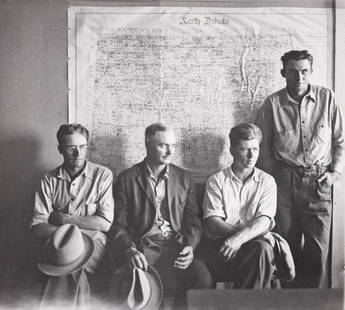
(201, 70)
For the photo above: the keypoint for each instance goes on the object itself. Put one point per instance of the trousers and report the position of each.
(304, 209)
(252, 268)
(176, 281)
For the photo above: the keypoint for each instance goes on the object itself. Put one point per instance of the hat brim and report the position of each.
(154, 279)
(53, 270)
(121, 283)
(156, 290)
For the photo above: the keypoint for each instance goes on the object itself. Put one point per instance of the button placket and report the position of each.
(304, 130)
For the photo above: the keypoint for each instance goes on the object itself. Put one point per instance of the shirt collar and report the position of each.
(310, 95)
(164, 174)
(63, 174)
(231, 175)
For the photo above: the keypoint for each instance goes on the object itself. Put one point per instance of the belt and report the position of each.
(310, 169)
(167, 235)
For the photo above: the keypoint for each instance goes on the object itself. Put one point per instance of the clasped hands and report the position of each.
(58, 218)
(135, 258)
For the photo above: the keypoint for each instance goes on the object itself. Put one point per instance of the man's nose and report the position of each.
(250, 154)
(76, 152)
(300, 76)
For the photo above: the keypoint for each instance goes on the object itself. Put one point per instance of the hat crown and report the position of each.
(66, 245)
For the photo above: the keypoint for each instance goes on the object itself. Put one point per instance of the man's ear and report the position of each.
(60, 149)
(282, 72)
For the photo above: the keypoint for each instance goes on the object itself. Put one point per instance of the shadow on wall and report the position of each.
(202, 154)
(109, 151)
(20, 173)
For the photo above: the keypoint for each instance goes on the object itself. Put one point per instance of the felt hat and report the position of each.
(66, 251)
(137, 289)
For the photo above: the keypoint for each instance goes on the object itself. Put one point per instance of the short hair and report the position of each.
(152, 129)
(70, 129)
(296, 55)
(244, 131)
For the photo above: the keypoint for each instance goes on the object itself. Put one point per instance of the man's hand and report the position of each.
(230, 247)
(58, 218)
(329, 177)
(185, 258)
(136, 259)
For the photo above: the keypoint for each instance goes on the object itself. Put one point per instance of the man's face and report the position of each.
(297, 74)
(161, 147)
(245, 153)
(73, 149)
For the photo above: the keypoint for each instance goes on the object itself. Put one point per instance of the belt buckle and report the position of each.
(165, 234)
(307, 169)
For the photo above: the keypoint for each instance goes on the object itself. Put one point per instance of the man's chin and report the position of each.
(79, 163)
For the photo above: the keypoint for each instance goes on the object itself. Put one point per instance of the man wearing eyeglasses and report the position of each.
(77, 192)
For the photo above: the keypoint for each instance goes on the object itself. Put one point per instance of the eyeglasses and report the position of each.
(72, 148)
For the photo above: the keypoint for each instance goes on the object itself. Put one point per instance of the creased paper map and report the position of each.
(201, 70)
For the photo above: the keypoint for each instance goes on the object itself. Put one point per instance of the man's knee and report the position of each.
(262, 249)
(203, 277)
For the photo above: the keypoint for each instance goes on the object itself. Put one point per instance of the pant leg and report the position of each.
(252, 268)
(315, 217)
(98, 270)
(254, 265)
(66, 292)
(177, 280)
(287, 219)
(303, 219)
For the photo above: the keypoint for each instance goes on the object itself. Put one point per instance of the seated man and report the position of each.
(77, 192)
(239, 207)
(157, 221)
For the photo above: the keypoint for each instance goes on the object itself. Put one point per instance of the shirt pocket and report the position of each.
(322, 133)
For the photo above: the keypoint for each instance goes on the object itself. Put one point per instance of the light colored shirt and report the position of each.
(162, 222)
(301, 134)
(90, 193)
(239, 203)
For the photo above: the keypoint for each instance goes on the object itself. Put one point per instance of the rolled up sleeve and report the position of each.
(43, 204)
(213, 204)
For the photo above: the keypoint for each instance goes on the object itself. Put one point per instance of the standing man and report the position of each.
(303, 148)
(239, 208)
(157, 221)
(80, 193)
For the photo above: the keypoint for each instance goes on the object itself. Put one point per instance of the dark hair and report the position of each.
(151, 130)
(296, 55)
(244, 131)
(70, 129)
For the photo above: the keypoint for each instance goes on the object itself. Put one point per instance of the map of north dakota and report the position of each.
(201, 73)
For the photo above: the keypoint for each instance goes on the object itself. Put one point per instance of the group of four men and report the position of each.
(157, 221)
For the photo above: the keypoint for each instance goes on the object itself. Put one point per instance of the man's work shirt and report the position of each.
(90, 193)
(161, 224)
(301, 134)
(239, 203)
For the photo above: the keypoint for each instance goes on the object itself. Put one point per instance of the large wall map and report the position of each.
(200, 70)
